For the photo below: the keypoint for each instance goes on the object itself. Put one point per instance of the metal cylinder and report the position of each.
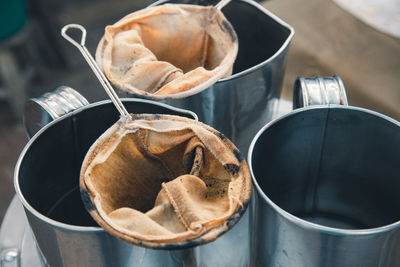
(319, 91)
(326, 188)
(239, 105)
(47, 183)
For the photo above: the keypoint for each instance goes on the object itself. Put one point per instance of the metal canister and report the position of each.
(239, 105)
(47, 184)
(326, 179)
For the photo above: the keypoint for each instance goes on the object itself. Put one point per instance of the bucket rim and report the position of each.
(24, 151)
(301, 222)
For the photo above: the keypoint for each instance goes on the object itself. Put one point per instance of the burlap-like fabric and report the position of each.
(159, 180)
(168, 51)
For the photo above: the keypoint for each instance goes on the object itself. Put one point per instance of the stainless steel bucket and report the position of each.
(239, 105)
(46, 181)
(327, 182)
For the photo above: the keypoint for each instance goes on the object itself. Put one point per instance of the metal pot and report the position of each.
(239, 105)
(326, 181)
(47, 178)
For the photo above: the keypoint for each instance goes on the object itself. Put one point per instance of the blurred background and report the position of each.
(329, 39)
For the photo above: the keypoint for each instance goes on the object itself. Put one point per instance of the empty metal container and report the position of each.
(326, 181)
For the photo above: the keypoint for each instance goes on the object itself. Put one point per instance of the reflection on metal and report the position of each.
(239, 105)
(313, 171)
(319, 91)
(41, 110)
(9, 258)
(66, 231)
(16, 238)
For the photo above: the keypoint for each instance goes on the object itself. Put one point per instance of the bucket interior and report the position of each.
(49, 171)
(337, 167)
(259, 35)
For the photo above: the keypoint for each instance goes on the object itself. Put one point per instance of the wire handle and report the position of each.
(221, 4)
(218, 7)
(93, 65)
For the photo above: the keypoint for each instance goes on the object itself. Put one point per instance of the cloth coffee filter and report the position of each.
(164, 181)
(168, 51)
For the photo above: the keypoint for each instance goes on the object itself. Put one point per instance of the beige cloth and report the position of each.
(162, 179)
(168, 51)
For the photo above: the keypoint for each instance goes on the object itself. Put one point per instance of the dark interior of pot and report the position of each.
(337, 167)
(49, 172)
(260, 36)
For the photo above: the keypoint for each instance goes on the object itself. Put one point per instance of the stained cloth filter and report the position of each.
(168, 51)
(158, 180)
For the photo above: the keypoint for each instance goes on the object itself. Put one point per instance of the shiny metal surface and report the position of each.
(241, 104)
(16, 221)
(46, 182)
(9, 258)
(326, 182)
(319, 91)
(93, 65)
(16, 234)
(16, 238)
(41, 110)
(220, 5)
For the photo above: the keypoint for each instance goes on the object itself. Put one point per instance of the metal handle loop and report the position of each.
(93, 65)
(319, 91)
(70, 39)
(41, 110)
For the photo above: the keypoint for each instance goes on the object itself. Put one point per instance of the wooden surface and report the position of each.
(330, 41)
